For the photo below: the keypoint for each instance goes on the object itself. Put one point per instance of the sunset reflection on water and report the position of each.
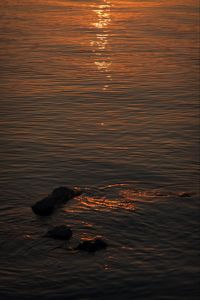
(100, 43)
(100, 95)
(107, 204)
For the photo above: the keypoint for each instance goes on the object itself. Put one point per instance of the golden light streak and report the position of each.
(106, 204)
(101, 42)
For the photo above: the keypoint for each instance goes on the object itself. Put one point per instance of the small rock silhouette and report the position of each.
(59, 232)
(92, 245)
(184, 194)
(57, 198)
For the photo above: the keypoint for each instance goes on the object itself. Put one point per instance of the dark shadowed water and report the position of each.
(101, 95)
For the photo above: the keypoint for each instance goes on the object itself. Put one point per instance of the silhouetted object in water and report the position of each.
(58, 197)
(184, 194)
(59, 232)
(92, 245)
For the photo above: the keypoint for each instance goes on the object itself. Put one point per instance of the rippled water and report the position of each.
(102, 95)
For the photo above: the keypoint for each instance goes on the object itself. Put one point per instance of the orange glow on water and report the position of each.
(107, 204)
(103, 15)
(103, 40)
(100, 43)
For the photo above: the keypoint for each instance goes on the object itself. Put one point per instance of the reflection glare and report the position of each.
(107, 204)
(103, 65)
(101, 42)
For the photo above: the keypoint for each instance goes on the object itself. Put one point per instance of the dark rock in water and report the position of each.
(44, 207)
(58, 197)
(92, 245)
(63, 194)
(184, 194)
(59, 232)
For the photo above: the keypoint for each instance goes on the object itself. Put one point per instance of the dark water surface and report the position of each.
(102, 95)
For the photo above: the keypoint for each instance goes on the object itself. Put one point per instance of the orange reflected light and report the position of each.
(99, 203)
(103, 14)
(100, 43)
(102, 65)
(104, 19)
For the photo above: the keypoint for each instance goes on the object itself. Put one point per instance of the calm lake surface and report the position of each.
(101, 95)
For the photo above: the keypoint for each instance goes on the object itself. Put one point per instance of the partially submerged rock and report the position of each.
(184, 194)
(92, 245)
(58, 197)
(59, 232)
